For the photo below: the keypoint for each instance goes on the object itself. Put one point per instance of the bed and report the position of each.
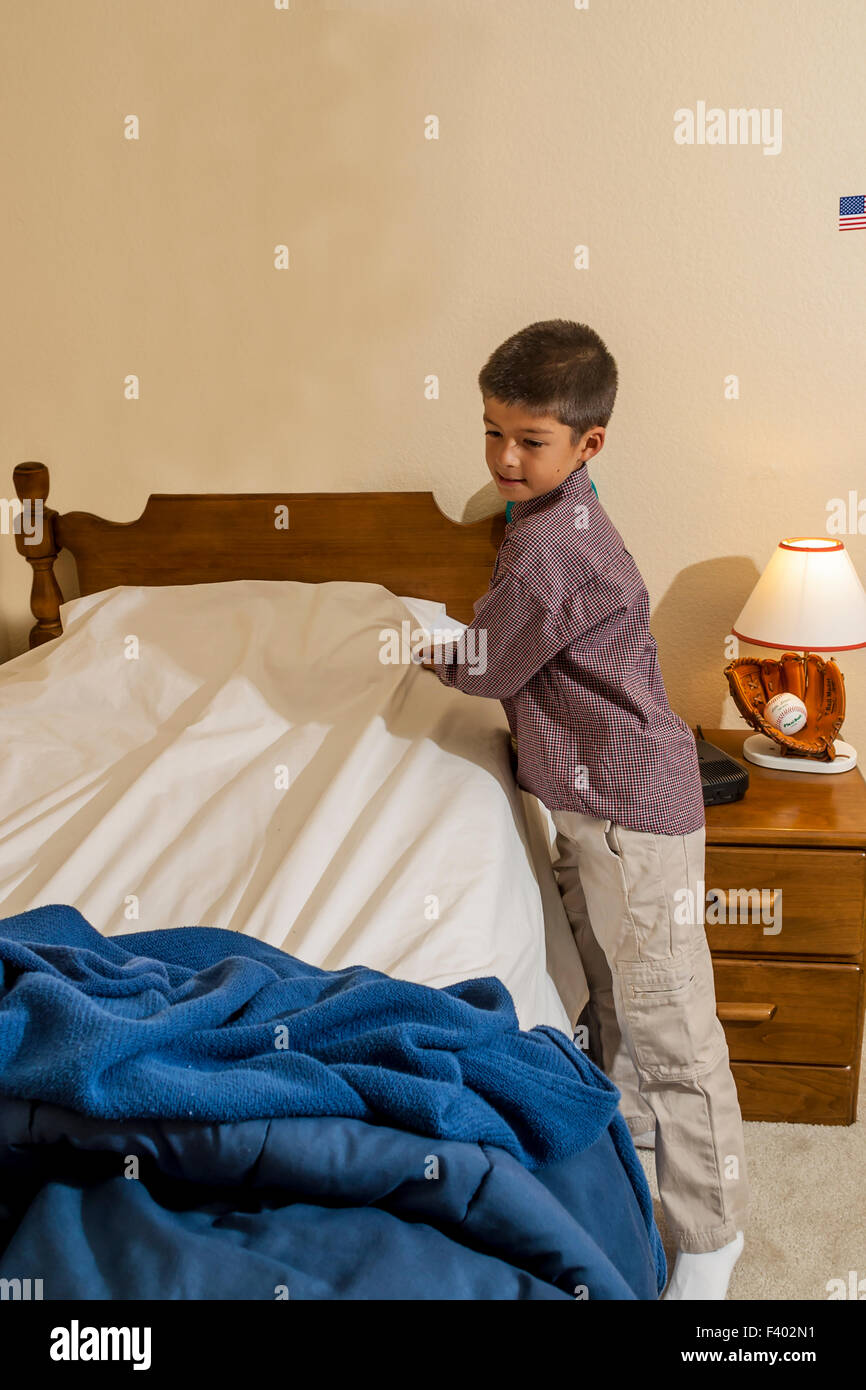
(223, 733)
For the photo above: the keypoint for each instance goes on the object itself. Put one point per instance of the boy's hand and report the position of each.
(423, 653)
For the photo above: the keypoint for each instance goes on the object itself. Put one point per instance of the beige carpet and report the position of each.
(807, 1222)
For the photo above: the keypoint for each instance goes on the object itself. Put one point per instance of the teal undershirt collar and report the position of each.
(509, 505)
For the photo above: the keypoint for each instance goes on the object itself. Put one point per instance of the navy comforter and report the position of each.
(194, 1114)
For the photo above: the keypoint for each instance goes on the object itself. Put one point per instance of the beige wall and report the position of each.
(411, 257)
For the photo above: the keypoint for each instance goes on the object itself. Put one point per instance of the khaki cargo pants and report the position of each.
(651, 1016)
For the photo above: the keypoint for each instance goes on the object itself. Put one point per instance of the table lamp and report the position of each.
(808, 599)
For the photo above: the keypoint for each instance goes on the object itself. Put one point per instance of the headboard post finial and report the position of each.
(35, 540)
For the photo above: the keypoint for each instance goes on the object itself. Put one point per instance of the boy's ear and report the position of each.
(593, 441)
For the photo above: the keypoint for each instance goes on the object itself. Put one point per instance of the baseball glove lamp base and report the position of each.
(762, 750)
(808, 600)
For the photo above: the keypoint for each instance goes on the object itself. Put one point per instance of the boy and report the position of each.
(570, 655)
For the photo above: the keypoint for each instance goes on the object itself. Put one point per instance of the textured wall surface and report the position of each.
(412, 257)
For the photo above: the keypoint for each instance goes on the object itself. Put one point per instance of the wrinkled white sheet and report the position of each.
(256, 766)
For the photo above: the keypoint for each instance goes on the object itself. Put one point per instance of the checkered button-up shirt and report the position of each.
(562, 639)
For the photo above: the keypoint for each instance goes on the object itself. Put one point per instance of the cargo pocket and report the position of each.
(670, 1010)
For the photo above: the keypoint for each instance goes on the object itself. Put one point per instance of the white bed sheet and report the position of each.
(257, 767)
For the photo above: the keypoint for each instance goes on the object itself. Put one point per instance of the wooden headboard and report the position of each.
(398, 539)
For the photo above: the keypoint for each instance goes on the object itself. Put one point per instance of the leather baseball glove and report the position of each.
(755, 680)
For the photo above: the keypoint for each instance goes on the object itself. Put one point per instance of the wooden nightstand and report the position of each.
(791, 1000)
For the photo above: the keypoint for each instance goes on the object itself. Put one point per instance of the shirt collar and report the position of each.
(574, 489)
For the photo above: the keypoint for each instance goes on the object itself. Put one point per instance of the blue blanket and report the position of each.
(332, 1106)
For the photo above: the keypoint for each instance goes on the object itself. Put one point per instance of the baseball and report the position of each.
(786, 713)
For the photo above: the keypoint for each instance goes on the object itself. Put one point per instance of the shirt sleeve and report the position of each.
(513, 634)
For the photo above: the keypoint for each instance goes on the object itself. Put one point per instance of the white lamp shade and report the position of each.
(809, 598)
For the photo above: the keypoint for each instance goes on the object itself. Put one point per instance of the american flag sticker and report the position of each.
(852, 213)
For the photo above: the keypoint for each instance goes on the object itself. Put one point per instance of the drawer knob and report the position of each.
(745, 1013)
(752, 900)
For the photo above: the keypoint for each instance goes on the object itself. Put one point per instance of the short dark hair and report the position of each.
(555, 367)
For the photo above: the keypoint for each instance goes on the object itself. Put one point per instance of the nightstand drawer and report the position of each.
(781, 1091)
(785, 1012)
(818, 907)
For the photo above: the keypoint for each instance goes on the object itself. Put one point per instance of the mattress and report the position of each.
(250, 756)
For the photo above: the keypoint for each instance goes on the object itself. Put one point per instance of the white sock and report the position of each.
(644, 1141)
(704, 1276)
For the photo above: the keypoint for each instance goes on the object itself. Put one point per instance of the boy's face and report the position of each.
(529, 455)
